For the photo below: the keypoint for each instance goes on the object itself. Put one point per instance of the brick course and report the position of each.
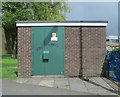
(93, 50)
(72, 51)
(24, 51)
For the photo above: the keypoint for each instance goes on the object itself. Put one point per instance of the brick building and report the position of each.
(67, 48)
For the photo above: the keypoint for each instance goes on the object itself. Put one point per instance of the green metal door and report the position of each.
(47, 50)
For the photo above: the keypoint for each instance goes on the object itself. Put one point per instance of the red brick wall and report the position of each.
(24, 51)
(93, 50)
(72, 51)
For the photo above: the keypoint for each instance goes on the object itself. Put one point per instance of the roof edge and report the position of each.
(61, 23)
(87, 21)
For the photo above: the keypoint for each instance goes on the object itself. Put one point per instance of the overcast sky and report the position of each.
(104, 11)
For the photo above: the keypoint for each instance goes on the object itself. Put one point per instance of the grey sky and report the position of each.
(104, 11)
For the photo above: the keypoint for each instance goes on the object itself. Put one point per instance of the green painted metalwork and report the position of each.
(47, 50)
(46, 55)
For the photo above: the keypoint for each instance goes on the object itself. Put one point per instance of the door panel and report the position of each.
(47, 53)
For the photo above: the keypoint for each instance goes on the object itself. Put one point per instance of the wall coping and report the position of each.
(61, 23)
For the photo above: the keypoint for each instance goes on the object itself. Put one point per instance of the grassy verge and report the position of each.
(8, 67)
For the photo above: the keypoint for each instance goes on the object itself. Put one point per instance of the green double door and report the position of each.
(47, 50)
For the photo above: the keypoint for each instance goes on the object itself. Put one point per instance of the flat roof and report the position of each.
(61, 23)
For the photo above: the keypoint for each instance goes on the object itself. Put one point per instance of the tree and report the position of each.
(50, 11)
(13, 11)
(23, 11)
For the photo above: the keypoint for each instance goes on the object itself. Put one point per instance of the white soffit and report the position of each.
(60, 24)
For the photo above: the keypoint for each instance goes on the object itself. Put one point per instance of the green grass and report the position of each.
(9, 73)
(7, 61)
(8, 68)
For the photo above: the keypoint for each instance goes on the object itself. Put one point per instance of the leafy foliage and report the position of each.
(23, 11)
(117, 49)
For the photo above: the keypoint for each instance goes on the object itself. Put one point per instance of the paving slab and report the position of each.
(111, 83)
(21, 80)
(62, 83)
(77, 85)
(97, 83)
(33, 81)
(90, 84)
(76, 80)
(48, 82)
(98, 86)
(103, 84)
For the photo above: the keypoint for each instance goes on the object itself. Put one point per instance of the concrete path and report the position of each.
(12, 88)
(95, 86)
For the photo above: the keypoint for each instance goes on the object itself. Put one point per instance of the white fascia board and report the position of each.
(61, 24)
